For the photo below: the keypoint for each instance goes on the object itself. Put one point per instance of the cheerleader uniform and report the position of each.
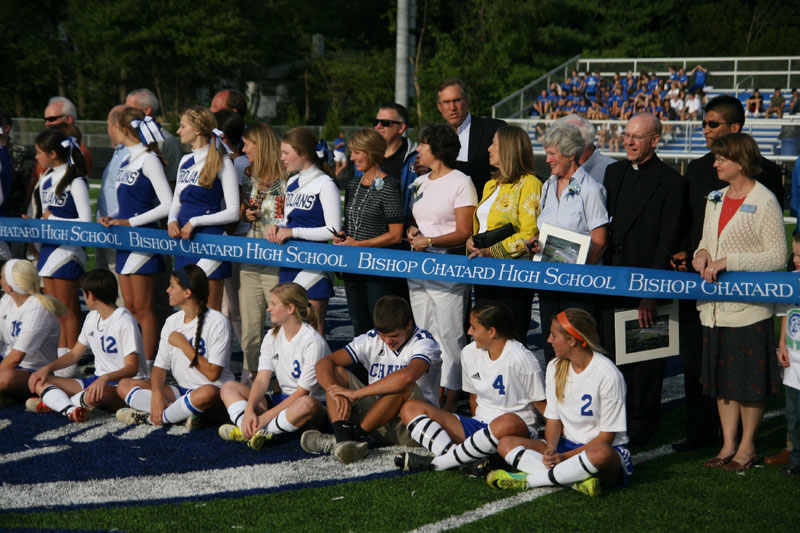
(313, 205)
(207, 209)
(141, 180)
(63, 261)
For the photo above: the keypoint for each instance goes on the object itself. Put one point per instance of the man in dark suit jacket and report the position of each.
(723, 114)
(648, 206)
(475, 133)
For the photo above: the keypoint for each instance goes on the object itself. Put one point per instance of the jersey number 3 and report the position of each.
(585, 411)
(295, 369)
(498, 384)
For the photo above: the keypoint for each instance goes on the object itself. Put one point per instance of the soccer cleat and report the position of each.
(260, 439)
(413, 461)
(590, 487)
(80, 414)
(479, 468)
(350, 451)
(230, 432)
(500, 479)
(194, 422)
(35, 404)
(128, 415)
(314, 441)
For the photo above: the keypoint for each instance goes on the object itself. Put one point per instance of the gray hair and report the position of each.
(145, 98)
(587, 129)
(67, 107)
(566, 137)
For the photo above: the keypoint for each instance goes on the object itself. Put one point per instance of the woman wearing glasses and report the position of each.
(572, 200)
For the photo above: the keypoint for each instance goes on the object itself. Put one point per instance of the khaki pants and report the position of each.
(394, 431)
(255, 282)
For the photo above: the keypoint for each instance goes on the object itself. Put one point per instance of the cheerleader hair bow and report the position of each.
(149, 130)
(71, 143)
(324, 152)
(216, 138)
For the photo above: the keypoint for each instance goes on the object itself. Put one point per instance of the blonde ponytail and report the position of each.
(585, 326)
(25, 277)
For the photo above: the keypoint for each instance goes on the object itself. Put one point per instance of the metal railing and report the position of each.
(513, 105)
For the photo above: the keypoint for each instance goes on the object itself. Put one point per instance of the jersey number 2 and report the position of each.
(585, 411)
(498, 384)
(108, 344)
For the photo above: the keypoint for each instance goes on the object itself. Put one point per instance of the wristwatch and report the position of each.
(429, 242)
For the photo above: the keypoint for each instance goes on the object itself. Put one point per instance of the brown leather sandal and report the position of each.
(734, 466)
(719, 462)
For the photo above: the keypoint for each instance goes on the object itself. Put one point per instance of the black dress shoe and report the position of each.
(688, 445)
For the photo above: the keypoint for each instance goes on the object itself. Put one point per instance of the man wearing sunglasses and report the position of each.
(723, 114)
(391, 122)
(475, 133)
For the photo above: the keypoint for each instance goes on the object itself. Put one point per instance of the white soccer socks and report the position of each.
(525, 460)
(280, 424)
(180, 410)
(57, 400)
(139, 399)
(236, 412)
(430, 434)
(477, 446)
(575, 469)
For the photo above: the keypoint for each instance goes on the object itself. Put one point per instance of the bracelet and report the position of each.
(429, 242)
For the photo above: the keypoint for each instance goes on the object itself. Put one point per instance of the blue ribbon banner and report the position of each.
(618, 281)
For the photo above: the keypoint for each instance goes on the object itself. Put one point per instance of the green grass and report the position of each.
(673, 492)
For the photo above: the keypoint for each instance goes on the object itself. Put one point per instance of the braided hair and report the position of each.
(198, 284)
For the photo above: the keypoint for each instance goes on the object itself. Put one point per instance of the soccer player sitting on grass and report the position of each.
(289, 351)
(116, 342)
(195, 347)
(403, 364)
(504, 382)
(585, 433)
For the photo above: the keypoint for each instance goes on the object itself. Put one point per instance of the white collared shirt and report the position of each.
(463, 137)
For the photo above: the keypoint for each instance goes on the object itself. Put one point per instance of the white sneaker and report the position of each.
(350, 451)
(128, 415)
(230, 432)
(194, 422)
(314, 441)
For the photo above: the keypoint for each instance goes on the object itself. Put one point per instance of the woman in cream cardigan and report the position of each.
(742, 231)
(511, 197)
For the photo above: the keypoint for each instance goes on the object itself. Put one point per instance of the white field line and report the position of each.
(194, 484)
(493, 508)
(27, 454)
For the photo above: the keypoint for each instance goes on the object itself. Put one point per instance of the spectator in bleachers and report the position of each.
(542, 104)
(776, 104)
(794, 103)
(700, 73)
(754, 104)
(592, 80)
(683, 79)
(591, 160)
(692, 109)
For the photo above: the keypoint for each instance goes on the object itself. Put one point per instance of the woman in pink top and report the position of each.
(443, 202)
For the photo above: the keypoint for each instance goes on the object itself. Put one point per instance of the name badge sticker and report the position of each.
(747, 208)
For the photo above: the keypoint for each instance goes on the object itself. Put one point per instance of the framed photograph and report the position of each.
(562, 245)
(634, 343)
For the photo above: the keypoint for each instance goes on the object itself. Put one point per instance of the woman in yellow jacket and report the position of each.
(511, 197)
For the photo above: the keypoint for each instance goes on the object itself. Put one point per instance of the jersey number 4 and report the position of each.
(498, 384)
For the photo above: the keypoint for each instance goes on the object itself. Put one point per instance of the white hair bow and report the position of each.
(216, 136)
(149, 130)
(71, 143)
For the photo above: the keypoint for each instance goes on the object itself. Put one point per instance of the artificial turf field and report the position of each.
(55, 475)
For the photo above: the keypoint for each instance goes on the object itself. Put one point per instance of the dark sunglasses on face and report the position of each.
(713, 124)
(385, 122)
(53, 119)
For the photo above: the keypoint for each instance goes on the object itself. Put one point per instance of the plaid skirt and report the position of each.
(740, 364)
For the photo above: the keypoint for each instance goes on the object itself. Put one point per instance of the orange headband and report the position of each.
(564, 321)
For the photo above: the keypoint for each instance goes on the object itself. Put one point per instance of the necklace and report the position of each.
(355, 212)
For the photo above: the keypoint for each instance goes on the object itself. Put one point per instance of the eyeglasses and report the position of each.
(637, 138)
(53, 118)
(713, 124)
(385, 122)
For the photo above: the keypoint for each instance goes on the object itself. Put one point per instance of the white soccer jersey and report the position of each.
(506, 385)
(215, 345)
(112, 339)
(594, 401)
(292, 361)
(380, 360)
(5, 301)
(31, 329)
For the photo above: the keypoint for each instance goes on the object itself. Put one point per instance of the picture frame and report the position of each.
(634, 344)
(559, 245)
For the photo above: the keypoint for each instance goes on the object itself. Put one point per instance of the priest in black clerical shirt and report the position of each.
(648, 206)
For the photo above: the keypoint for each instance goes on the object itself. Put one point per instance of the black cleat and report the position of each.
(412, 461)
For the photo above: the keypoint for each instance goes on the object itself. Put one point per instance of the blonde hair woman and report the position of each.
(510, 199)
(30, 327)
(264, 200)
(289, 352)
(373, 217)
(206, 194)
(585, 432)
